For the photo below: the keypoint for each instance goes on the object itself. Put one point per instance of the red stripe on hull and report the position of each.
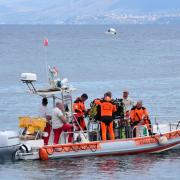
(152, 150)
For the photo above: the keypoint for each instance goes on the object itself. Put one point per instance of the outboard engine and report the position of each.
(9, 142)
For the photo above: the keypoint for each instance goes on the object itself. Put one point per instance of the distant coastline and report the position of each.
(172, 18)
(90, 12)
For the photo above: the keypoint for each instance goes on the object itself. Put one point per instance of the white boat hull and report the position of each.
(35, 149)
(119, 148)
(140, 145)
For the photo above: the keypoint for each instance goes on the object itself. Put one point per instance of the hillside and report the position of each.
(88, 12)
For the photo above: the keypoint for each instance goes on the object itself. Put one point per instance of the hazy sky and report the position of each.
(17, 11)
(144, 5)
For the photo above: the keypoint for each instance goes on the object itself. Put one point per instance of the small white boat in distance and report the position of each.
(111, 31)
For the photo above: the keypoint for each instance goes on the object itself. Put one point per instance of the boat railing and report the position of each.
(166, 127)
(174, 126)
(79, 136)
(93, 134)
(75, 121)
(140, 131)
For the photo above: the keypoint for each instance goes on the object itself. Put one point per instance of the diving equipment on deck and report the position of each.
(122, 129)
(94, 130)
(119, 114)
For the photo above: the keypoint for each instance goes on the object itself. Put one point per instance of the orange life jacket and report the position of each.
(79, 107)
(97, 101)
(137, 115)
(107, 110)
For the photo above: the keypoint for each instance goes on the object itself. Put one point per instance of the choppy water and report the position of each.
(143, 59)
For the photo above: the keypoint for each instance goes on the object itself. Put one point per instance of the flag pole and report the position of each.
(46, 43)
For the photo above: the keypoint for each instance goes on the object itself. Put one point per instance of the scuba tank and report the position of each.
(119, 114)
(94, 112)
(122, 129)
(116, 126)
(145, 131)
(122, 133)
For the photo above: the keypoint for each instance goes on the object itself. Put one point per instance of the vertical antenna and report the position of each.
(46, 43)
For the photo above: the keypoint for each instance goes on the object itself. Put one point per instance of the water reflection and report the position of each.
(112, 167)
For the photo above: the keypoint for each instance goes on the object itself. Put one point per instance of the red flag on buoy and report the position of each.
(46, 42)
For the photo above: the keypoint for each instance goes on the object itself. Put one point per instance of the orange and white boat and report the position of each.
(169, 139)
(165, 136)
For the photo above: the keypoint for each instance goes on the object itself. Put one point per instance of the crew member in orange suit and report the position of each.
(80, 110)
(107, 109)
(139, 116)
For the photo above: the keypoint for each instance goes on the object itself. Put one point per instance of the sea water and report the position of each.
(145, 59)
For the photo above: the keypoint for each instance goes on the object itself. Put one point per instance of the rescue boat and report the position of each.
(35, 148)
(86, 143)
(29, 143)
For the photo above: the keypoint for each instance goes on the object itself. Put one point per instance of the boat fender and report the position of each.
(163, 140)
(43, 155)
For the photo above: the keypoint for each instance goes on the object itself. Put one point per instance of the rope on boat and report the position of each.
(50, 151)
(75, 148)
(46, 151)
(94, 149)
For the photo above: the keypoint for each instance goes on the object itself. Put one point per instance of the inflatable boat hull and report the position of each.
(140, 145)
